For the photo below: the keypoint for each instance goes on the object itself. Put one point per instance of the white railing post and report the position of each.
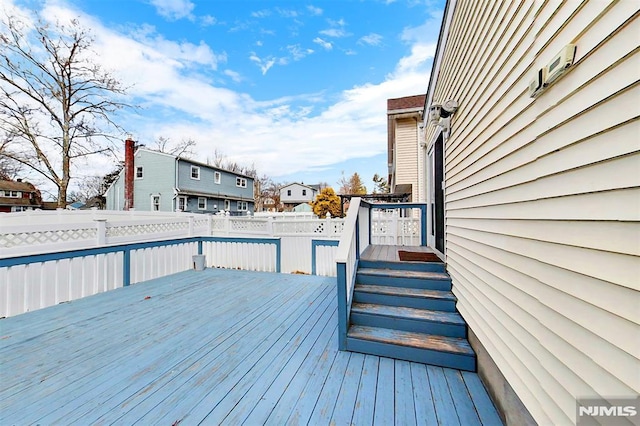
(271, 232)
(327, 225)
(209, 224)
(101, 232)
(227, 223)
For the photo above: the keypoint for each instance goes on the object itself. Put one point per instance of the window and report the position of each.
(241, 182)
(195, 172)
(20, 208)
(288, 193)
(216, 177)
(304, 192)
(139, 172)
(155, 203)
(202, 203)
(227, 205)
(182, 204)
(11, 194)
(242, 206)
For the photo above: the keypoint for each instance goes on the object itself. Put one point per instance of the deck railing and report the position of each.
(52, 257)
(36, 281)
(357, 236)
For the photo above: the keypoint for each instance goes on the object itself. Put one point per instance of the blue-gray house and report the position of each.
(164, 182)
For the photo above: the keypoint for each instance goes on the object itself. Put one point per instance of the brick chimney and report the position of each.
(129, 148)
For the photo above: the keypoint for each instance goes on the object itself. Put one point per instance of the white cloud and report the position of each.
(264, 64)
(208, 20)
(327, 45)
(174, 9)
(261, 13)
(316, 11)
(287, 13)
(335, 32)
(337, 29)
(178, 103)
(235, 76)
(372, 39)
(298, 52)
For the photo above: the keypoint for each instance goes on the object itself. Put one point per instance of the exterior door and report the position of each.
(182, 204)
(436, 192)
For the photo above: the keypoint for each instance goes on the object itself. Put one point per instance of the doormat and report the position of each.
(417, 256)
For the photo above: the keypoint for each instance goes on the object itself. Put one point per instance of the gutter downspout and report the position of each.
(176, 190)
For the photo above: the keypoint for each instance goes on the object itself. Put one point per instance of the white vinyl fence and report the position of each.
(50, 276)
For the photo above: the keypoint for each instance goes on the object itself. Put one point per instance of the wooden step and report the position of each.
(408, 297)
(407, 266)
(403, 278)
(418, 347)
(427, 321)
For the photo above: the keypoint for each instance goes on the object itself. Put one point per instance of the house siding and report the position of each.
(296, 194)
(542, 196)
(114, 196)
(407, 155)
(158, 179)
(214, 192)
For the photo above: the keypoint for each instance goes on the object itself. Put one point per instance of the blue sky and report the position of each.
(296, 88)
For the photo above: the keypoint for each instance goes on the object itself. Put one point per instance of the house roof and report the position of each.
(406, 103)
(299, 184)
(10, 185)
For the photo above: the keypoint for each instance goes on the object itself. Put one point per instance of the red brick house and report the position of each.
(17, 196)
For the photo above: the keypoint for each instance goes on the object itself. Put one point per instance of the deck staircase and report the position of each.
(406, 310)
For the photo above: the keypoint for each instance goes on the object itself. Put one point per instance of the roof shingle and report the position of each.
(415, 101)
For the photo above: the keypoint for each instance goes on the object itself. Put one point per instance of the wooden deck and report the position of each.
(216, 347)
(390, 253)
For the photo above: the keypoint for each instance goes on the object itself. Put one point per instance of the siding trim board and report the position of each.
(542, 198)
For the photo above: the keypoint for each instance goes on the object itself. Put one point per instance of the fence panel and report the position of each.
(240, 255)
(25, 288)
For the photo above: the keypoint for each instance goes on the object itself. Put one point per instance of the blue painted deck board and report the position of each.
(214, 346)
(365, 402)
(384, 409)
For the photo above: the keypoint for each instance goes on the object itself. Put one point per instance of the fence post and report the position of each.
(101, 232)
(327, 225)
(190, 232)
(209, 224)
(227, 223)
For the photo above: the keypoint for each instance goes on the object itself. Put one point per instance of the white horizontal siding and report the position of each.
(407, 154)
(543, 196)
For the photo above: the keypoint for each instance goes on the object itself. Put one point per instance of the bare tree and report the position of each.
(56, 102)
(182, 149)
(88, 188)
(9, 169)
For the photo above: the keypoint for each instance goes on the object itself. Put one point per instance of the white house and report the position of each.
(533, 157)
(296, 193)
(404, 117)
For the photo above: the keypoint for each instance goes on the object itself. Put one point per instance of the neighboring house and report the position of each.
(536, 194)
(17, 196)
(296, 193)
(163, 182)
(404, 119)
